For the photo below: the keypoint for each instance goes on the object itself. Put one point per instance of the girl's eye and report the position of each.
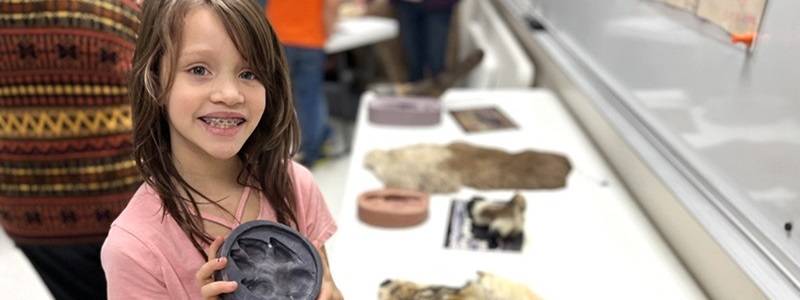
(198, 70)
(247, 75)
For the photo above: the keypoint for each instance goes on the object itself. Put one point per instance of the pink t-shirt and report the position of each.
(149, 257)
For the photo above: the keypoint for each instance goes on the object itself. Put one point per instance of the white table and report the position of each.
(351, 33)
(586, 241)
(18, 278)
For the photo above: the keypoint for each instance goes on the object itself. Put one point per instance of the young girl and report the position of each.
(215, 131)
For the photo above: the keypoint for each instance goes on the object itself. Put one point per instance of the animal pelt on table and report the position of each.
(444, 169)
(497, 220)
(486, 287)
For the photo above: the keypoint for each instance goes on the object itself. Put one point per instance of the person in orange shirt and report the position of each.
(303, 26)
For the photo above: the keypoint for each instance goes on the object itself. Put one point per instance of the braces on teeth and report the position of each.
(222, 123)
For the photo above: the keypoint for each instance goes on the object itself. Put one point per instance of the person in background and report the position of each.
(215, 131)
(66, 169)
(424, 27)
(303, 27)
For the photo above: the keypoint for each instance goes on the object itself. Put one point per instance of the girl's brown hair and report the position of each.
(266, 155)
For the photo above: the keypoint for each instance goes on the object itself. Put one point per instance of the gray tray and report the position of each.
(270, 261)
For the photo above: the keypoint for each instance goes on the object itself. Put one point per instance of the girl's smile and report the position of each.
(223, 123)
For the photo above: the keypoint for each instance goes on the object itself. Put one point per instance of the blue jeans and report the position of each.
(306, 69)
(424, 36)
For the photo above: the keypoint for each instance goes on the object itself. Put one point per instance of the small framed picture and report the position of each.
(481, 119)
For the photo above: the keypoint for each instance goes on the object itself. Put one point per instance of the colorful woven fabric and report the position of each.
(66, 168)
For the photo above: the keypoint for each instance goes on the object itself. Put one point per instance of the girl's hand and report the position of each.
(209, 288)
(329, 291)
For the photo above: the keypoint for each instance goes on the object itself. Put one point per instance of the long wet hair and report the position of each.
(266, 155)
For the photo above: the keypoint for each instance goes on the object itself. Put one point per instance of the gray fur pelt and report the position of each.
(444, 169)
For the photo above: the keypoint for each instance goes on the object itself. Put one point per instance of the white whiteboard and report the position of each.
(733, 114)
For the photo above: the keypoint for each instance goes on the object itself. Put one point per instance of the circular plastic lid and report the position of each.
(270, 261)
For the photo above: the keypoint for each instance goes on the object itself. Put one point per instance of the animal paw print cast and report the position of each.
(271, 270)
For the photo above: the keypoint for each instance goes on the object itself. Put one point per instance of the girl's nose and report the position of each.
(228, 93)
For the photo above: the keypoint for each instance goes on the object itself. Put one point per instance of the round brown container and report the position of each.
(393, 207)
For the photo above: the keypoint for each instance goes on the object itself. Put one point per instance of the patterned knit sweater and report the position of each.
(66, 168)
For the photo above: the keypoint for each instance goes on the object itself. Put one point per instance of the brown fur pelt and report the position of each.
(486, 287)
(443, 169)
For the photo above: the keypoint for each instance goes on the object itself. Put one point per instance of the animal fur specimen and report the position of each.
(498, 220)
(444, 169)
(486, 287)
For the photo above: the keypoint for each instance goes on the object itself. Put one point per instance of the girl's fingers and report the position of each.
(218, 287)
(203, 274)
(211, 252)
(209, 288)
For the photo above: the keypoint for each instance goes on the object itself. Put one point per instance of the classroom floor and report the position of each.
(330, 173)
(330, 176)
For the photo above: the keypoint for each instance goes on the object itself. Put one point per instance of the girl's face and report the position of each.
(215, 102)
